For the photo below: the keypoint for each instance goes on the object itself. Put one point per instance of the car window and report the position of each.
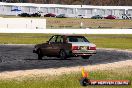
(76, 39)
(53, 39)
(60, 39)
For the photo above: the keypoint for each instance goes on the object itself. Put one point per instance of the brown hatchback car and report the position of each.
(64, 46)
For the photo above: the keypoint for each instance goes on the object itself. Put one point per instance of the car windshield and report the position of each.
(76, 39)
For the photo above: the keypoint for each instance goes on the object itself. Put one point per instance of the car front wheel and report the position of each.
(63, 54)
(85, 57)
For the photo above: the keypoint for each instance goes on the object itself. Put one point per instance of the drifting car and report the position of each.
(97, 17)
(110, 17)
(64, 46)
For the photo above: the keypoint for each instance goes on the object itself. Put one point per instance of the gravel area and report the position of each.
(19, 60)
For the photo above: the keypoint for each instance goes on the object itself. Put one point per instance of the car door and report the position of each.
(53, 46)
(59, 45)
(62, 45)
(49, 48)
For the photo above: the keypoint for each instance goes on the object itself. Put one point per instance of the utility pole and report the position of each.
(82, 2)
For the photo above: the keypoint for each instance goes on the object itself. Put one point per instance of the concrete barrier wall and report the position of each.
(69, 31)
(22, 23)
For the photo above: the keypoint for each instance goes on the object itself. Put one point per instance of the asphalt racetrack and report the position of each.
(20, 57)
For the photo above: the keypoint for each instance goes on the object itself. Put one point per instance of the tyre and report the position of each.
(40, 56)
(62, 54)
(85, 57)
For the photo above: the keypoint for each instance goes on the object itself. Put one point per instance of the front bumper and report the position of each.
(34, 50)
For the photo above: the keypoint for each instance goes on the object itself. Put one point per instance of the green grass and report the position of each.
(88, 23)
(102, 41)
(112, 41)
(23, 38)
(69, 80)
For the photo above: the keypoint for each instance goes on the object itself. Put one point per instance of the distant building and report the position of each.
(70, 10)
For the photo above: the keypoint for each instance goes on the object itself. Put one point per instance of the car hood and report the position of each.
(82, 44)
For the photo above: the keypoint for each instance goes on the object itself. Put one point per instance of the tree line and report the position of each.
(77, 2)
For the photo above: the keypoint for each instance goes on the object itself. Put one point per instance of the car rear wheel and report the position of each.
(63, 54)
(85, 57)
(40, 55)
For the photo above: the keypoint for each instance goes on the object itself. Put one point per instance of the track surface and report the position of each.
(20, 57)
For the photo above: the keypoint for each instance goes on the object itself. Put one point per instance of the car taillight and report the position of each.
(75, 47)
(92, 48)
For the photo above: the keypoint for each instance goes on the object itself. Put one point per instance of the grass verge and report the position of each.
(70, 80)
(120, 41)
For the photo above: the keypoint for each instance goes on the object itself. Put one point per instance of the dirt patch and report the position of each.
(63, 70)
